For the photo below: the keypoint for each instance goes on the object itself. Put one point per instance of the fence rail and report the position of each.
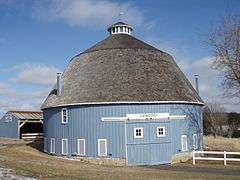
(224, 158)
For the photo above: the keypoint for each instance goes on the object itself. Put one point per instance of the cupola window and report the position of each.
(120, 28)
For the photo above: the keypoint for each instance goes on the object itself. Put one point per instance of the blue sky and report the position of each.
(38, 38)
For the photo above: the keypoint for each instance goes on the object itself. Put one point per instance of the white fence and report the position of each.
(224, 158)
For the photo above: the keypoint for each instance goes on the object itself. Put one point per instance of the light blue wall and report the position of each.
(85, 123)
(9, 129)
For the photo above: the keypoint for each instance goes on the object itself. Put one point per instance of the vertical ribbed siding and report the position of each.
(9, 129)
(85, 123)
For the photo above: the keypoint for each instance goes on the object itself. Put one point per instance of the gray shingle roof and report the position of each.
(122, 68)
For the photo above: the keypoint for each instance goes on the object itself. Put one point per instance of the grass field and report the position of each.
(28, 161)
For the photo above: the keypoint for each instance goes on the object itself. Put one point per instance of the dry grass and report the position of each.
(222, 144)
(28, 161)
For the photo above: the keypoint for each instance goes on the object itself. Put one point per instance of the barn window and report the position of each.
(64, 146)
(121, 29)
(160, 131)
(64, 116)
(102, 147)
(81, 147)
(138, 132)
(184, 142)
(195, 141)
(52, 145)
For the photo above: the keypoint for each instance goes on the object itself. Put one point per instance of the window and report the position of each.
(81, 147)
(102, 147)
(160, 131)
(113, 30)
(121, 29)
(64, 116)
(64, 146)
(52, 145)
(138, 132)
(195, 141)
(184, 142)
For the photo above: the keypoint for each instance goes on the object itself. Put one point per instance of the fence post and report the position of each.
(225, 158)
(193, 156)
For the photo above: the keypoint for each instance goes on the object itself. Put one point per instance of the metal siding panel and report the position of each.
(9, 129)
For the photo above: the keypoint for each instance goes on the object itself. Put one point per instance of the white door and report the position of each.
(52, 145)
(64, 146)
(102, 147)
(81, 147)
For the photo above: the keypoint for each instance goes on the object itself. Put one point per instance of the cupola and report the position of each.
(120, 28)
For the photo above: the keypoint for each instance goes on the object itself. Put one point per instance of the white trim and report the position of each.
(66, 146)
(145, 116)
(128, 102)
(84, 147)
(195, 142)
(114, 118)
(164, 131)
(125, 133)
(135, 130)
(99, 140)
(52, 145)
(182, 143)
(64, 109)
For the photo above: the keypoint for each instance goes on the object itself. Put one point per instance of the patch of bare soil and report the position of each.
(9, 174)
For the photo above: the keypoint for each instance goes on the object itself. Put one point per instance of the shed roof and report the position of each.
(27, 115)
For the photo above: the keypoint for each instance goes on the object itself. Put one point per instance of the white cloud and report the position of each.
(85, 13)
(39, 74)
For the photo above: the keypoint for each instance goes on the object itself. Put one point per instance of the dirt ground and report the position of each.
(25, 159)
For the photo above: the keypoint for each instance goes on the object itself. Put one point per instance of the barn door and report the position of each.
(148, 142)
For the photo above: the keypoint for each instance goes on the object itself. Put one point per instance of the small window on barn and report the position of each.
(64, 146)
(138, 132)
(121, 29)
(184, 142)
(81, 147)
(52, 145)
(160, 131)
(64, 116)
(195, 141)
(102, 147)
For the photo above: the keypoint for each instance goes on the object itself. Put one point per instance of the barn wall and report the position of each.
(9, 129)
(85, 123)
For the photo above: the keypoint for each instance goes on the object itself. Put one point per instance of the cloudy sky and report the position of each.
(38, 38)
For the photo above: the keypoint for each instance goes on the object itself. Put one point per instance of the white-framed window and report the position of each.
(138, 132)
(161, 131)
(195, 141)
(184, 143)
(52, 145)
(64, 116)
(81, 147)
(64, 146)
(102, 147)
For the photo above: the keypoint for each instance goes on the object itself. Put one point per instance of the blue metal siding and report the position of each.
(9, 129)
(85, 123)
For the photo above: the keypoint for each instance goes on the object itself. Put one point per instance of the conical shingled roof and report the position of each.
(122, 68)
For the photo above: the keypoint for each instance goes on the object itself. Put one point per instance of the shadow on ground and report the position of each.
(37, 144)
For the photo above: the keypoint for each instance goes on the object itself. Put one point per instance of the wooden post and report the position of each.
(193, 156)
(225, 158)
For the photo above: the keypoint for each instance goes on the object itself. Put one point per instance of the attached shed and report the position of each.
(123, 99)
(22, 125)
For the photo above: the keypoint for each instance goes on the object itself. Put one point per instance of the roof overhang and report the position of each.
(126, 102)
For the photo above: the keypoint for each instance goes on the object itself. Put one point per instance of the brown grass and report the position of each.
(28, 161)
(222, 144)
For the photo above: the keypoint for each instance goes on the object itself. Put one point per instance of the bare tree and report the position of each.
(233, 123)
(214, 118)
(225, 43)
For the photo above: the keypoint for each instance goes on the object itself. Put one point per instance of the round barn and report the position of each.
(123, 99)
